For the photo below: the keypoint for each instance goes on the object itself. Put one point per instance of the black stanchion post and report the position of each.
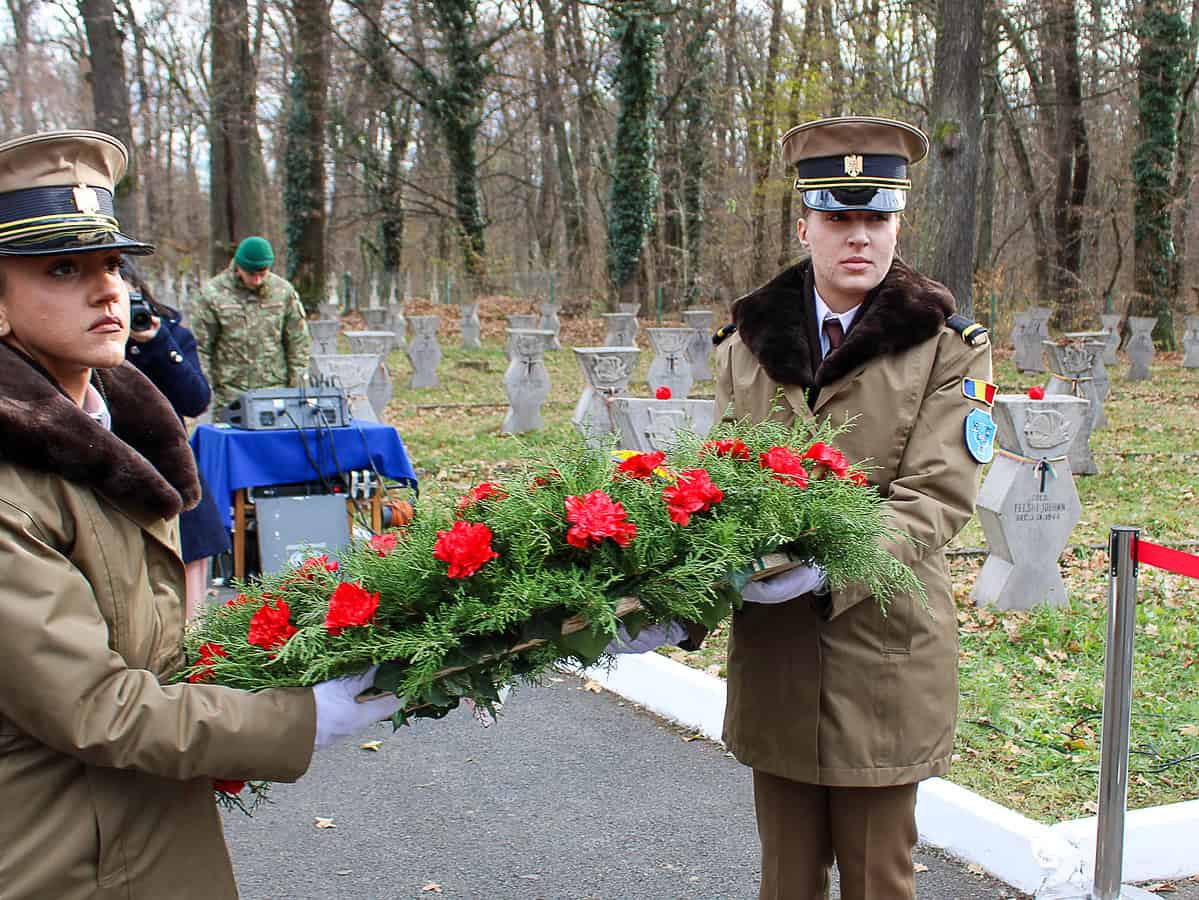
(1117, 714)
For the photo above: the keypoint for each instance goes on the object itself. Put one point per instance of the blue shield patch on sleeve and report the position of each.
(980, 435)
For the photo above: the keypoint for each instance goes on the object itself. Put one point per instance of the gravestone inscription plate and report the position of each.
(646, 425)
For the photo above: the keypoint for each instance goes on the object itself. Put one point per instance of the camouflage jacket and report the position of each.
(248, 339)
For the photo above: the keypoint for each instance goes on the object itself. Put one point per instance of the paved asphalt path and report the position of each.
(572, 795)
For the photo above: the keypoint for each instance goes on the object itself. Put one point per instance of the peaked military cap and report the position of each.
(854, 162)
(56, 192)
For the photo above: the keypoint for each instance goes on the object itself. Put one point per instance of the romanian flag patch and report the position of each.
(982, 391)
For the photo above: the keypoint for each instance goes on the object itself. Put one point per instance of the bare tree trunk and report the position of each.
(947, 247)
(987, 173)
(1184, 164)
(763, 128)
(21, 12)
(148, 181)
(799, 77)
(235, 209)
(110, 98)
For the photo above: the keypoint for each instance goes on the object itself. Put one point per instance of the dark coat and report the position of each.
(106, 767)
(829, 690)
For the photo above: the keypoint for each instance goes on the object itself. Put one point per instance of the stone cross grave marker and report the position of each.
(424, 353)
(1029, 354)
(471, 326)
(1016, 338)
(1099, 374)
(1028, 504)
(700, 347)
(527, 381)
(1073, 368)
(630, 309)
(622, 329)
(397, 325)
(379, 342)
(331, 308)
(646, 425)
(549, 321)
(363, 376)
(324, 335)
(1140, 347)
(377, 318)
(1111, 324)
(1190, 343)
(519, 322)
(606, 371)
(671, 367)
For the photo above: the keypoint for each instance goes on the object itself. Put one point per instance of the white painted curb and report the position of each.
(1049, 861)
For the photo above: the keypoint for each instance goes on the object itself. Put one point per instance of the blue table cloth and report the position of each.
(233, 458)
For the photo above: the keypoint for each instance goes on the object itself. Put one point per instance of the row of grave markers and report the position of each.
(1030, 331)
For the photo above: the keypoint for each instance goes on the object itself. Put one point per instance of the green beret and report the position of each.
(254, 254)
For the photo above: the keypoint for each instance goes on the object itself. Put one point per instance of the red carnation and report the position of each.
(313, 564)
(383, 543)
(209, 652)
(1036, 392)
(662, 393)
(228, 786)
(734, 448)
(238, 600)
(787, 467)
(269, 627)
(542, 480)
(486, 491)
(641, 465)
(466, 547)
(693, 492)
(858, 477)
(596, 516)
(350, 605)
(827, 458)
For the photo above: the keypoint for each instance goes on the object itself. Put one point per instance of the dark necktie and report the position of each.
(833, 331)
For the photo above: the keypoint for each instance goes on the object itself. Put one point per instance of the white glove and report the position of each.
(782, 587)
(651, 637)
(338, 712)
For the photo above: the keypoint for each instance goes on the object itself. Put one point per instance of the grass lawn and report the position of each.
(1031, 683)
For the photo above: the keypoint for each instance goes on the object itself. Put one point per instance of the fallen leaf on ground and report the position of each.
(1189, 730)
(372, 745)
(323, 823)
(594, 686)
(976, 869)
(919, 867)
(431, 888)
(1162, 887)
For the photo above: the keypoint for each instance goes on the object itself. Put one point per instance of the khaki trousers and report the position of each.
(868, 831)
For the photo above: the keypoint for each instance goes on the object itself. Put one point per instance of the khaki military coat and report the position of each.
(250, 339)
(106, 767)
(827, 690)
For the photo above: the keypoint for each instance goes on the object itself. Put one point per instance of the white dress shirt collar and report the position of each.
(94, 406)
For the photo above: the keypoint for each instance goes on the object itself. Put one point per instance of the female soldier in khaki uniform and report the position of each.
(106, 767)
(838, 709)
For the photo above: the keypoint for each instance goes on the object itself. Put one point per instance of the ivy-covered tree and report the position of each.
(1163, 51)
(637, 31)
(304, 154)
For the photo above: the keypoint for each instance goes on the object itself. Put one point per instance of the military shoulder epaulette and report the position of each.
(972, 333)
(722, 333)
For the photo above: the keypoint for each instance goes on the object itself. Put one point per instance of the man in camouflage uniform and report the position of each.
(250, 326)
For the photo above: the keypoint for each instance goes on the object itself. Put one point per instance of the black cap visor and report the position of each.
(112, 240)
(887, 200)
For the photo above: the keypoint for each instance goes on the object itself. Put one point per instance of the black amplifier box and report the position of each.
(272, 409)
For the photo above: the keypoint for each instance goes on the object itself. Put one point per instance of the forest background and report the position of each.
(628, 151)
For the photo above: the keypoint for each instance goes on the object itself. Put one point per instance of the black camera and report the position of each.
(140, 313)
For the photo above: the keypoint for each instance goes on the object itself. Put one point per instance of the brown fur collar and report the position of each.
(144, 464)
(777, 323)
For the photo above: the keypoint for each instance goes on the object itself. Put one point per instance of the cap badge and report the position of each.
(86, 200)
(853, 165)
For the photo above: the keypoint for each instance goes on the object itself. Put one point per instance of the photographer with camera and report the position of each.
(164, 349)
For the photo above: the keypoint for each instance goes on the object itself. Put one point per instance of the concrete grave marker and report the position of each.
(1016, 338)
(1111, 324)
(671, 367)
(424, 353)
(363, 376)
(398, 326)
(377, 318)
(549, 321)
(631, 309)
(527, 382)
(519, 322)
(470, 325)
(622, 330)
(700, 348)
(1074, 374)
(1028, 504)
(378, 342)
(1029, 352)
(331, 308)
(646, 425)
(1190, 343)
(1140, 347)
(607, 371)
(1099, 374)
(324, 335)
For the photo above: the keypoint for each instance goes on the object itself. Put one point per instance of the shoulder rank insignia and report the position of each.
(980, 435)
(723, 333)
(976, 389)
(972, 333)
